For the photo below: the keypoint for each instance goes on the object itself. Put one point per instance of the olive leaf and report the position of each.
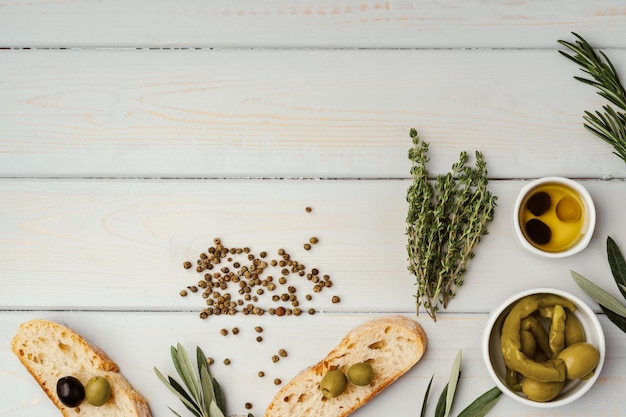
(455, 373)
(618, 320)
(425, 402)
(201, 393)
(599, 295)
(483, 404)
(617, 264)
(478, 408)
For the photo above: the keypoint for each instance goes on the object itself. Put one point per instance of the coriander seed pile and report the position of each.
(236, 280)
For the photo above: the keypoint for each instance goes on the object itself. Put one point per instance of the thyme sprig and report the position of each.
(609, 125)
(203, 395)
(445, 222)
(478, 408)
(611, 306)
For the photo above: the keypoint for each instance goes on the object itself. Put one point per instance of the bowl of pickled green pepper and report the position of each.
(544, 347)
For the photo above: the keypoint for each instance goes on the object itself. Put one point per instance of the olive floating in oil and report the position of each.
(539, 203)
(538, 231)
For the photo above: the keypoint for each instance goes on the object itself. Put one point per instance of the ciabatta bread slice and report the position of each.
(50, 351)
(391, 345)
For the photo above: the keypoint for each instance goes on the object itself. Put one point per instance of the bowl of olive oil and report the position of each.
(554, 217)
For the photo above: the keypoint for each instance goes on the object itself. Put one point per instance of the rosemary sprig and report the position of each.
(611, 306)
(609, 125)
(445, 222)
(203, 395)
(478, 408)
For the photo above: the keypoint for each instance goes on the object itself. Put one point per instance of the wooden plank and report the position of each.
(294, 113)
(93, 244)
(306, 23)
(137, 345)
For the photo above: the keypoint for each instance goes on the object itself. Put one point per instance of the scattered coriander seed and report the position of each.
(263, 254)
(258, 329)
(275, 358)
(193, 288)
(315, 271)
(223, 332)
(248, 406)
(307, 246)
(308, 297)
(308, 209)
(186, 264)
(282, 353)
(259, 339)
(226, 361)
(183, 293)
(335, 299)
(261, 374)
(313, 240)
(280, 311)
(311, 311)
(210, 361)
(235, 330)
(217, 241)
(277, 381)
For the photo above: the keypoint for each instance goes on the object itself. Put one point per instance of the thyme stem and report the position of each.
(445, 222)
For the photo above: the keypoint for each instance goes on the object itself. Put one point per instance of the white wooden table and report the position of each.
(134, 132)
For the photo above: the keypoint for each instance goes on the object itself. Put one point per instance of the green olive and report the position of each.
(360, 373)
(580, 359)
(541, 391)
(529, 345)
(574, 331)
(97, 390)
(333, 383)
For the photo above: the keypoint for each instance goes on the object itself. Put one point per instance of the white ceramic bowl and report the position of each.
(492, 354)
(588, 213)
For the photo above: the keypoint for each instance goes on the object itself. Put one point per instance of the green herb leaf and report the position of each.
(175, 413)
(214, 410)
(425, 402)
(440, 409)
(188, 374)
(181, 395)
(219, 396)
(206, 382)
(617, 264)
(197, 407)
(618, 320)
(599, 295)
(452, 383)
(483, 404)
(610, 126)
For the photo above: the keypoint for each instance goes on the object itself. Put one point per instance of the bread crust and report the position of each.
(50, 351)
(374, 342)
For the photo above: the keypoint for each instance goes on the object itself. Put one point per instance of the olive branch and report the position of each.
(611, 306)
(445, 222)
(203, 395)
(478, 408)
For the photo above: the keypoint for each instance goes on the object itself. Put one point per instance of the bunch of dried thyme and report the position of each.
(445, 221)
